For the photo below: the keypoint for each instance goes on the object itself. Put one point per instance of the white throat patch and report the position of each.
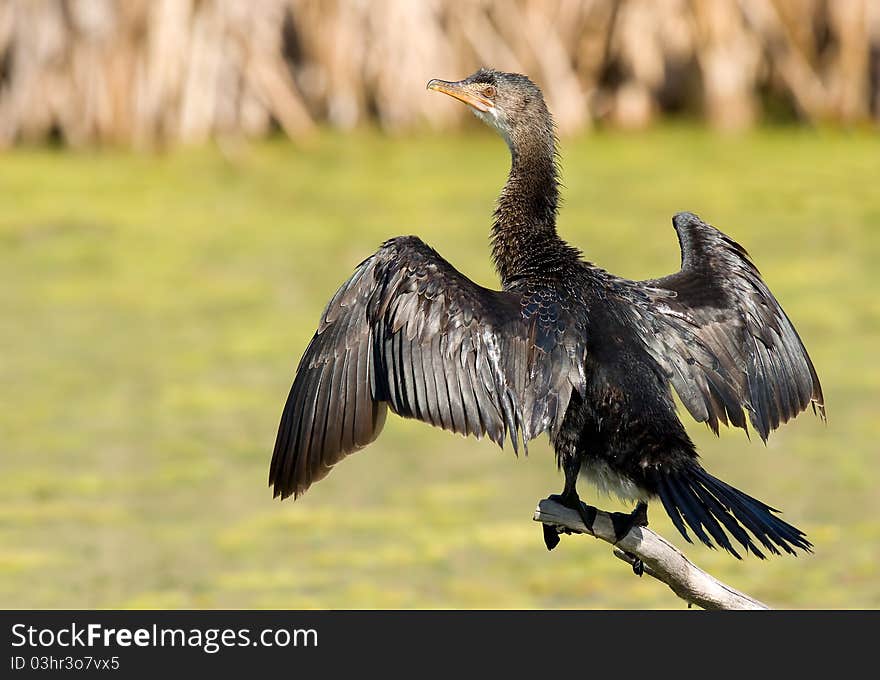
(493, 118)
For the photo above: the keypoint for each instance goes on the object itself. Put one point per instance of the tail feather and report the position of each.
(689, 508)
(672, 510)
(739, 506)
(769, 528)
(706, 503)
(718, 510)
(708, 516)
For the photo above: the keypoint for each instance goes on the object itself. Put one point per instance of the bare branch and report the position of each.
(660, 558)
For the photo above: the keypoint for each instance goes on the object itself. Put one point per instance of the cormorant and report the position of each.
(564, 347)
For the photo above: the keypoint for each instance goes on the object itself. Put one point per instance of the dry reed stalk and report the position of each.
(145, 73)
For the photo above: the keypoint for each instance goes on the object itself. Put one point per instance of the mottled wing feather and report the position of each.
(409, 332)
(722, 338)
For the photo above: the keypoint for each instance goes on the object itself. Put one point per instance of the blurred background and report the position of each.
(186, 183)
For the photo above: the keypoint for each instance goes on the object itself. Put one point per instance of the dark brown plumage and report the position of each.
(564, 347)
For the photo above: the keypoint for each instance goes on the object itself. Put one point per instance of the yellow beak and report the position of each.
(459, 92)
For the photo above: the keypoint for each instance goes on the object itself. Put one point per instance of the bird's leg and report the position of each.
(570, 499)
(624, 522)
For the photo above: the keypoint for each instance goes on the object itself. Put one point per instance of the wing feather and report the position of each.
(722, 338)
(410, 333)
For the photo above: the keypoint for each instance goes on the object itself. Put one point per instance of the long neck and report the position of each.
(524, 240)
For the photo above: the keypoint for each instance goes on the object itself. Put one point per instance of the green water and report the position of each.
(154, 308)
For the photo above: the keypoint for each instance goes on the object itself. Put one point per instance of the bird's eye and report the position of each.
(489, 91)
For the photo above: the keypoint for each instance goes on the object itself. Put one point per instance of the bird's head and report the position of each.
(509, 102)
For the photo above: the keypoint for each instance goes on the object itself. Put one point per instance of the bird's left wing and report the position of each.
(721, 337)
(409, 332)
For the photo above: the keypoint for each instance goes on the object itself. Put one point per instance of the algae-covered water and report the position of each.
(154, 308)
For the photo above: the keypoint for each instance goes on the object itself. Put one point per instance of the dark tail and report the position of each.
(709, 506)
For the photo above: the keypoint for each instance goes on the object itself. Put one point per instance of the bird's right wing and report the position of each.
(409, 332)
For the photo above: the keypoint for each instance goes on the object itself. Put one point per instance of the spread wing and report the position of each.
(722, 338)
(409, 332)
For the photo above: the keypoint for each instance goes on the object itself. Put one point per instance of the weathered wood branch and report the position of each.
(660, 558)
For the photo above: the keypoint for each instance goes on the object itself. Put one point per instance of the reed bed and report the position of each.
(148, 73)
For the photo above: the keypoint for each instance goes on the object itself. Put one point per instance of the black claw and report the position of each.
(623, 522)
(587, 512)
(636, 563)
(640, 515)
(551, 536)
(638, 567)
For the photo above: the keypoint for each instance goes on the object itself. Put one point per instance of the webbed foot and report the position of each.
(587, 514)
(551, 536)
(624, 522)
